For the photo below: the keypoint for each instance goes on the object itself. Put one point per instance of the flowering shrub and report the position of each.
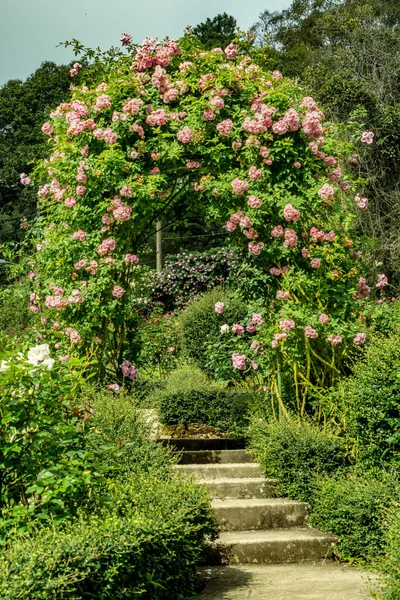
(171, 129)
(188, 274)
(45, 469)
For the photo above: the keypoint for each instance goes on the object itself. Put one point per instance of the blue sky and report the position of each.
(31, 29)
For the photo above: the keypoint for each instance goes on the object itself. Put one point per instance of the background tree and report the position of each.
(347, 53)
(24, 106)
(216, 32)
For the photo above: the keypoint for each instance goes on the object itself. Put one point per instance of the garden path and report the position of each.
(272, 552)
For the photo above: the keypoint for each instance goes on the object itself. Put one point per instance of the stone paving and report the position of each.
(296, 581)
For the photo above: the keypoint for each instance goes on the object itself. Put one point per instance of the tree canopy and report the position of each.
(216, 32)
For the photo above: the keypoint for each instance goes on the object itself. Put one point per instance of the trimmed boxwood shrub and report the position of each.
(295, 453)
(354, 507)
(147, 544)
(201, 324)
(189, 397)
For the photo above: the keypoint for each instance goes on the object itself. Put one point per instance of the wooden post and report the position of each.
(158, 246)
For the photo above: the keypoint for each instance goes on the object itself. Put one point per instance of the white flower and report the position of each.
(225, 328)
(3, 366)
(38, 354)
(49, 363)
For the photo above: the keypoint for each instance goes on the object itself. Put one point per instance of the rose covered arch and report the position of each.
(167, 132)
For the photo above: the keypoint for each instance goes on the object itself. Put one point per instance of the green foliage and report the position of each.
(390, 563)
(370, 400)
(45, 469)
(216, 32)
(354, 507)
(296, 454)
(24, 106)
(119, 440)
(189, 397)
(14, 313)
(159, 339)
(146, 544)
(201, 324)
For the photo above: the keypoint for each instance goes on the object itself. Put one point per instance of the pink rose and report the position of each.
(118, 291)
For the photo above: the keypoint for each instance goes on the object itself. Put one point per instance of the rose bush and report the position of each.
(164, 130)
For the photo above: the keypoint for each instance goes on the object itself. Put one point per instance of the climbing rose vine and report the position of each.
(162, 131)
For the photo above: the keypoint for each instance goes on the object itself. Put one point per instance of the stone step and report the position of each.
(203, 443)
(201, 457)
(214, 471)
(249, 487)
(270, 546)
(256, 513)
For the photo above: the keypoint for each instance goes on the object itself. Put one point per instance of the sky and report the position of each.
(31, 29)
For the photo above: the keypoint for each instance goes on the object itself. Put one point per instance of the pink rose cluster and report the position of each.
(184, 135)
(118, 291)
(367, 137)
(360, 339)
(219, 307)
(239, 186)
(254, 202)
(125, 38)
(225, 127)
(382, 281)
(128, 369)
(152, 52)
(74, 336)
(286, 325)
(309, 332)
(334, 339)
(239, 361)
(106, 247)
(131, 259)
(290, 213)
(25, 180)
(231, 51)
(255, 248)
(76, 67)
(362, 203)
(363, 289)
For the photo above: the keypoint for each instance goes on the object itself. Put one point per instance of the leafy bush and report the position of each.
(14, 313)
(142, 388)
(295, 453)
(371, 399)
(160, 343)
(353, 507)
(45, 468)
(189, 397)
(390, 563)
(189, 274)
(147, 544)
(119, 440)
(201, 324)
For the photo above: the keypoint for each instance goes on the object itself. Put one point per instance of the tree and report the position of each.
(24, 105)
(217, 32)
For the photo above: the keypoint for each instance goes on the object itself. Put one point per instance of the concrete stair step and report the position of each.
(203, 443)
(249, 487)
(190, 457)
(270, 546)
(259, 513)
(214, 471)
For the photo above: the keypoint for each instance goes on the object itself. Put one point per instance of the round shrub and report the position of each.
(354, 509)
(295, 453)
(189, 397)
(371, 399)
(201, 324)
